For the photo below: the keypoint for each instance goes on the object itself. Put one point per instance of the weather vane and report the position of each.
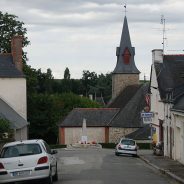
(125, 6)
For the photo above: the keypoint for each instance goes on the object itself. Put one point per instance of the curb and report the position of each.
(163, 171)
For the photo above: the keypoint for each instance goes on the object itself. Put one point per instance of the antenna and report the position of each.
(163, 32)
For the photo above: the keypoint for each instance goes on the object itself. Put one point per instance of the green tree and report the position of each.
(31, 79)
(4, 125)
(104, 84)
(45, 111)
(5, 128)
(89, 79)
(67, 74)
(44, 81)
(10, 26)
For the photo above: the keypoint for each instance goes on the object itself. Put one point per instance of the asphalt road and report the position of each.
(103, 167)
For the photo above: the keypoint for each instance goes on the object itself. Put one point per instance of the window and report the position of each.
(20, 150)
(47, 148)
(128, 142)
(126, 56)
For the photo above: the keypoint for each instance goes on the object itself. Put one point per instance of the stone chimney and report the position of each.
(157, 56)
(16, 50)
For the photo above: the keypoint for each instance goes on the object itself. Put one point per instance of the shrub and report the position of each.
(4, 125)
(108, 145)
(55, 146)
(5, 130)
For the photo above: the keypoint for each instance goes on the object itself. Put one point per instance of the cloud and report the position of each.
(68, 32)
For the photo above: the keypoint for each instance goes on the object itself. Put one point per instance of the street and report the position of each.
(101, 166)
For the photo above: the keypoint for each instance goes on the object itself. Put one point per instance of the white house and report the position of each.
(157, 105)
(13, 97)
(177, 113)
(167, 87)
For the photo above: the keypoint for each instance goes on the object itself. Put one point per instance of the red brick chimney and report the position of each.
(16, 50)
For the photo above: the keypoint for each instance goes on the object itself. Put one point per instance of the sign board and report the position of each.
(147, 120)
(147, 114)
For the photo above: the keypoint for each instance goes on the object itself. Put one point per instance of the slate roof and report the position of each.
(123, 98)
(130, 115)
(179, 103)
(7, 68)
(10, 114)
(125, 43)
(95, 117)
(142, 133)
(170, 74)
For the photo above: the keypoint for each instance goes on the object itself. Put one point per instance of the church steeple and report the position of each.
(125, 53)
(125, 72)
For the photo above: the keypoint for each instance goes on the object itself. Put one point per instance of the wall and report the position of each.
(13, 93)
(178, 123)
(157, 107)
(73, 134)
(21, 134)
(120, 81)
(116, 133)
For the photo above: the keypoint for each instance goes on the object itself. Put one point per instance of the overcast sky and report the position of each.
(84, 34)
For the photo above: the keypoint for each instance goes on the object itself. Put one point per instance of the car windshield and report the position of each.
(128, 142)
(20, 150)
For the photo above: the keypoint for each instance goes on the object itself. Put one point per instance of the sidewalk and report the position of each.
(165, 165)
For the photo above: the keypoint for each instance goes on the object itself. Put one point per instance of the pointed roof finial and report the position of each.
(125, 6)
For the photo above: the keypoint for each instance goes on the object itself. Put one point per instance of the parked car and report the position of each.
(27, 160)
(126, 146)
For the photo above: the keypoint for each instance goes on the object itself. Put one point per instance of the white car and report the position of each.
(27, 160)
(126, 146)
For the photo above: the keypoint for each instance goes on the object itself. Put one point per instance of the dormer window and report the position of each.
(126, 56)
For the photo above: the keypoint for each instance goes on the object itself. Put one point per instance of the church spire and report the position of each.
(125, 53)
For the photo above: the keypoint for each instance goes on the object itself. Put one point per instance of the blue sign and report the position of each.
(147, 114)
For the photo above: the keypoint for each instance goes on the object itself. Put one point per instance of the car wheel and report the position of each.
(49, 179)
(55, 177)
(134, 155)
(117, 154)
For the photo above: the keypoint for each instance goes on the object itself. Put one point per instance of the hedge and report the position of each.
(55, 146)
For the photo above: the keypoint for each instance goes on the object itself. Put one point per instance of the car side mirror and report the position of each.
(53, 152)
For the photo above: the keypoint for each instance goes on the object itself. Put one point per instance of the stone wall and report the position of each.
(73, 135)
(116, 133)
(120, 81)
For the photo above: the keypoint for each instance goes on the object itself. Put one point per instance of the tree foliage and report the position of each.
(67, 74)
(45, 111)
(10, 26)
(4, 125)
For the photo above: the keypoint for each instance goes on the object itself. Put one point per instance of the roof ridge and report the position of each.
(96, 108)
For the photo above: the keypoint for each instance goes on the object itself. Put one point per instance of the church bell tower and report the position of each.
(125, 72)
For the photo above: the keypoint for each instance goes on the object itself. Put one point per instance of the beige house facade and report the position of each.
(13, 92)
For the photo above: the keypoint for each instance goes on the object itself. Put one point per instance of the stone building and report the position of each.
(125, 72)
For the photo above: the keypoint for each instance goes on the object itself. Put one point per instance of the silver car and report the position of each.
(27, 160)
(126, 146)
